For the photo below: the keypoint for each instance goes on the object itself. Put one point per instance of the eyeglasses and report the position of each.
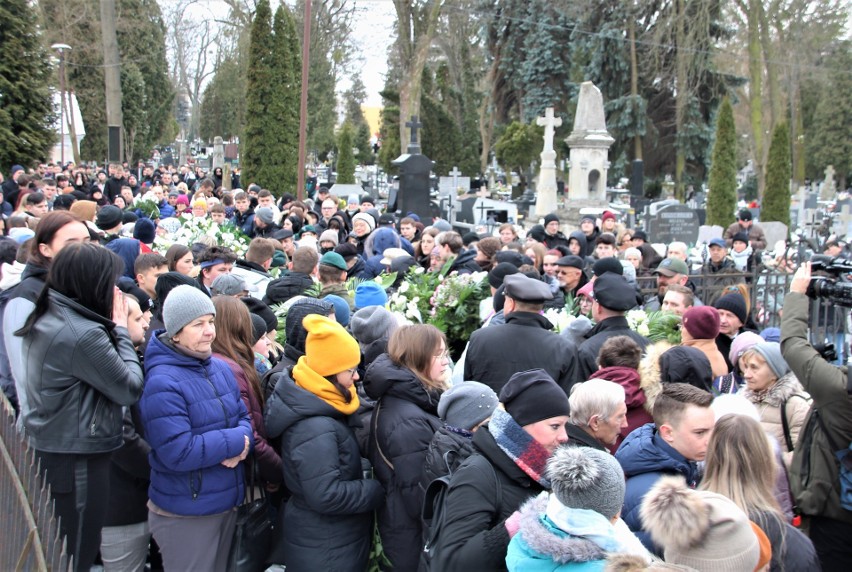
(444, 354)
(351, 371)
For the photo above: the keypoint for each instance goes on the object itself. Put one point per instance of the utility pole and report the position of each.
(61, 49)
(112, 82)
(303, 114)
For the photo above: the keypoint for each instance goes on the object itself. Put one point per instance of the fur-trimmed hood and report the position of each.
(545, 539)
(649, 373)
(786, 386)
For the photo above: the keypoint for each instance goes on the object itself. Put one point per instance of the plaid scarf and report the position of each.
(526, 452)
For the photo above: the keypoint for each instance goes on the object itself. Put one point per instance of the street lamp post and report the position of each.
(61, 48)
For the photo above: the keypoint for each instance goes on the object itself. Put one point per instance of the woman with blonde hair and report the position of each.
(507, 233)
(407, 383)
(536, 251)
(741, 466)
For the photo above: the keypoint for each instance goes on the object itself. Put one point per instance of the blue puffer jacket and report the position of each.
(194, 419)
(645, 457)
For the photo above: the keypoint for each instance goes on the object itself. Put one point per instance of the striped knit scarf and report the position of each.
(530, 456)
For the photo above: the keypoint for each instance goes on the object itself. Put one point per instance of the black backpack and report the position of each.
(433, 514)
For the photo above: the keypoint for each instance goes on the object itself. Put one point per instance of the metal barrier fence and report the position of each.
(765, 291)
(29, 533)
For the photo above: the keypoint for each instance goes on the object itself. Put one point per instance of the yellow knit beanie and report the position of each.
(329, 349)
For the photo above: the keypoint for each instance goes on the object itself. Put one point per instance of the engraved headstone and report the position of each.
(674, 222)
(218, 156)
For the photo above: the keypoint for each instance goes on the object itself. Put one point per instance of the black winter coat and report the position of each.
(465, 263)
(130, 475)
(608, 328)
(524, 342)
(328, 519)
(474, 536)
(446, 453)
(402, 426)
(290, 285)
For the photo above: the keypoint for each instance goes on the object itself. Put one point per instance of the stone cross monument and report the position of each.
(589, 143)
(546, 199)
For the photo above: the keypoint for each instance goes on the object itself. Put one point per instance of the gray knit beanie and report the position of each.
(582, 477)
(185, 304)
(771, 352)
(467, 404)
(372, 323)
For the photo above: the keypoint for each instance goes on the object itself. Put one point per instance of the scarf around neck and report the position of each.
(527, 453)
(311, 381)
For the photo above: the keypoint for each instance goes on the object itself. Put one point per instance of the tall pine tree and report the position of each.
(260, 94)
(282, 130)
(722, 197)
(26, 106)
(779, 170)
(345, 158)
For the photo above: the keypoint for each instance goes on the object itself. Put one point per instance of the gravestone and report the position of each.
(706, 233)
(218, 157)
(546, 188)
(774, 232)
(827, 191)
(812, 201)
(414, 171)
(589, 143)
(674, 222)
(452, 184)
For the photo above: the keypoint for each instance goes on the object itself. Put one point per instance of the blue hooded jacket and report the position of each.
(645, 457)
(128, 250)
(194, 419)
(381, 240)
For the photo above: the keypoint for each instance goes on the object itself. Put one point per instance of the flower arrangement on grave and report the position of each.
(655, 326)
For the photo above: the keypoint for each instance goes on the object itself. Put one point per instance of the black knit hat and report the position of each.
(255, 306)
(499, 272)
(734, 303)
(537, 233)
(550, 218)
(532, 396)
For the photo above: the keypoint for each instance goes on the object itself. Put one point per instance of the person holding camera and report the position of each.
(814, 471)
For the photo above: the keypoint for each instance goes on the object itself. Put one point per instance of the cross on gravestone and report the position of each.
(549, 122)
(414, 125)
(455, 175)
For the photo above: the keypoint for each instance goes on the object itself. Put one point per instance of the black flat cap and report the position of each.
(613, 292)
(571, 260)
(525, 289)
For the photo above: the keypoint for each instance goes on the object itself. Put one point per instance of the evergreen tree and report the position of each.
(779, 170)
(222, 95)
(519, 146)
(256, 146)
(26, 106)
(722, 196)
(345, 158)
(390, 148)
(827, 138)
(282, 129)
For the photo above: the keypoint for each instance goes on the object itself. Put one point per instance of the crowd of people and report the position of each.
(162, 385)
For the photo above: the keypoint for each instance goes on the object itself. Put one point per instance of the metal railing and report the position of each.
(766, 289)
(29, 533)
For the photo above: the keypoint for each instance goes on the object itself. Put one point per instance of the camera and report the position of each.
(835, 288)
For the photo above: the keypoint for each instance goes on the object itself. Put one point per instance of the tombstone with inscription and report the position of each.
(414, 172)
(673, 222)
(546, 188)
(217, 159)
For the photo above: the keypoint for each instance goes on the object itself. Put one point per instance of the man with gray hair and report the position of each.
(677, 250)
(598, 414)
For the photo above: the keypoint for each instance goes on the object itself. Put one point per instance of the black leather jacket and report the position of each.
(79, 370)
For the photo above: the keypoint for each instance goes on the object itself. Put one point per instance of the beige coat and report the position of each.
(768, 405)
(709, 349)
